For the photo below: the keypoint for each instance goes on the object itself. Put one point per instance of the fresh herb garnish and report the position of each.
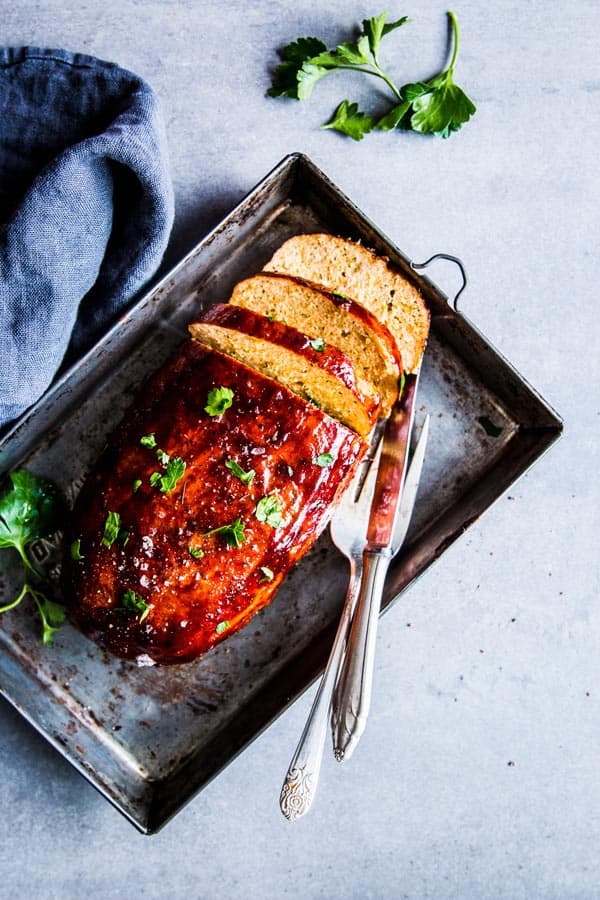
(149, 441)
(162, 457)
(402, 385)
(269, 510)
(318, 344)
(489, 427)
(167, 482)
(111, 528)
(437, 106)
(31, 509)
(348, 119)
(233, 534)
(196, 552)
(267, 574)
(324, 460)
(219, 399)
(75, 549)
(236, 469)
(222, 626)
(136, 485)
(133, 602)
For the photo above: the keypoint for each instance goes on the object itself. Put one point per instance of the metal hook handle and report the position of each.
(450, 258)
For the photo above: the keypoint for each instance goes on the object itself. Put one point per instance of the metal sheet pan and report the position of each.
(150, 738)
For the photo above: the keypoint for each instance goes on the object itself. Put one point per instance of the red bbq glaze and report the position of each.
(193, 603)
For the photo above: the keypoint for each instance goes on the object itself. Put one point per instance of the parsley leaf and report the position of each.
(174, 473)
(444, 107)
(269, 510)
(133, 602)
(233, 534)
(222, 626)
(30, 509)
(324, 460)
(149, 441)
(196, 552)
(244, 477)
(52, 614)
(267, 574)
(318, 344)
(437, 106)
(285, 79)
(162, 457)
(75, 549)
(349, 120)
(218, 400)
(136, 485)
(112, 527)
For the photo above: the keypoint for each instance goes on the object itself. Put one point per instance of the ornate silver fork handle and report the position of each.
(300, 783)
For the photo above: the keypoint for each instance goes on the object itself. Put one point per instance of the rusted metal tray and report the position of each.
(150, 738)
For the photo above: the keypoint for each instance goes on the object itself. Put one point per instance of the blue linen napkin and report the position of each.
(86, 208)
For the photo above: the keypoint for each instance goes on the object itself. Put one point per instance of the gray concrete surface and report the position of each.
(501, 662)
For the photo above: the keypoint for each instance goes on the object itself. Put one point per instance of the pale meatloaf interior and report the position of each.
(323, 376)
(339, 321)
(355, 271)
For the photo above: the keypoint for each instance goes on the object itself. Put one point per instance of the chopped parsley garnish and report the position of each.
(133, 602)
(324, 460)
(222, 626)
(318, 344)
(111, 528)
(218, 400)
(232, 534)
(75, 549)
(196, 552)
(267, 574)
(167, 482)
(162, 457)
(136, 485)
(149, 441)
(402, 385)
(269, 510)
(245, 477)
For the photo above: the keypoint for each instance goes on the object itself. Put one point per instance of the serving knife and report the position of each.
(352, 696)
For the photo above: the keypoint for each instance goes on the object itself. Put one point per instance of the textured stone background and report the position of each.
(502, 658)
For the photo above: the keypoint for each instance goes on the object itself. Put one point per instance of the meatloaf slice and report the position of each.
(355, 271)
(340, 321)
(311, 368)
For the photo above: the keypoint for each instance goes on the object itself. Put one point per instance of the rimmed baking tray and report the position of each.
(150, 738)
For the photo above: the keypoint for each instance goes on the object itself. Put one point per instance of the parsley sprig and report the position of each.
(31, 509)
(235, 468)
(269, 510)
(232, 534)
(437, 106)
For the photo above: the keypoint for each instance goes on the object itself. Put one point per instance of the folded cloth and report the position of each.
(86, 208)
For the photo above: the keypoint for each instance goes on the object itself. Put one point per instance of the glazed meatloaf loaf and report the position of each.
(216, 482)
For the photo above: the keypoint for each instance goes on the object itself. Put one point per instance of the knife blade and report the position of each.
(392, 468)
(352, 697)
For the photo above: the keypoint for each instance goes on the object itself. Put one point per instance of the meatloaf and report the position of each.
(216, 482)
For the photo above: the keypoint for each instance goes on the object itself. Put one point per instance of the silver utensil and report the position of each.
(349, 533)
(352, 697)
